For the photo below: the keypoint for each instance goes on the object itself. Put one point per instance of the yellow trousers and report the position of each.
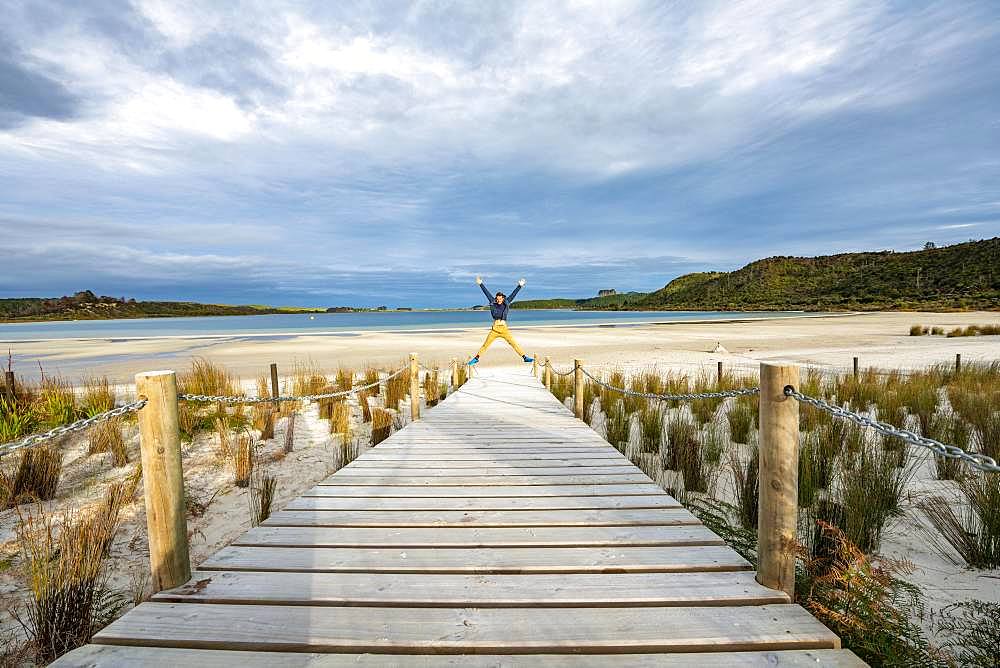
(500, 331)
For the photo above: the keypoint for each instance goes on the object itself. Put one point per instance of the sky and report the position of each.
(367, 153)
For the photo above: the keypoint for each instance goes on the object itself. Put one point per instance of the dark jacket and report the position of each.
(499, 311)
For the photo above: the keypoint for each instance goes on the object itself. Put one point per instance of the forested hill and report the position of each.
(965, 276)
(88, 306)
(608, 302)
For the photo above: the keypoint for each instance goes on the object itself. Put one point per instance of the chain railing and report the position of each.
(222, 399)
(689, 396)
(80, 425)
(974, 459)
(62, 430)
(560, 373)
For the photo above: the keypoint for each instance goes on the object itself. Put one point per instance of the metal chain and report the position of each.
(218, 399)
(560, 373)
(973, 459)
(79, 425)
(744, 392)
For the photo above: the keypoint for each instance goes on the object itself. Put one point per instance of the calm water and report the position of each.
(339, 323)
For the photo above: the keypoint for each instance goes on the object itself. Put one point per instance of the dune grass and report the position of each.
(651, 427)
(381, 425)
(970, 526)
(35, 478)
(64, 558)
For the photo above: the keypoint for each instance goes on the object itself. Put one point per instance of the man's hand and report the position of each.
(522, 282)
(479, 280)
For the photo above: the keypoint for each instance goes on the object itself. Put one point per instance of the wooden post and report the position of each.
(10, 383)
(454, 374)
(548, 374)
(414, 387)
(855, 367)
(163, 480)
(578, 388)
(718, 373)
(779, 477)
(534, 366)
(958, 362)
(274, 387)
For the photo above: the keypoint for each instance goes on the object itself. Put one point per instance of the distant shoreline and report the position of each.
(431, 330)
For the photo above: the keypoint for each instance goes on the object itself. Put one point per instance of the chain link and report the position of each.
(973, 459)
(79, 425)
(561, 373)
(220, 399)
(744, 392)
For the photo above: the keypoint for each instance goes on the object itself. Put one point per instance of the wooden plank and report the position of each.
(469, 630)
(473, 458)
(401, 491)
(615, 559)
(481, 518)
(425, 590)
(464, 481)
(405, 537)
(482, 503)
(122, 656)
(368, 463)
(485, 471)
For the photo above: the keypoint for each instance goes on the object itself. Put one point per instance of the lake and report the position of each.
(343, 323)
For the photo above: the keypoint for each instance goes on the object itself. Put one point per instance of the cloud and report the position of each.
(369, 151)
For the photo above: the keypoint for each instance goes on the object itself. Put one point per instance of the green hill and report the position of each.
(88, 306)
(965, 276)
(609, 302)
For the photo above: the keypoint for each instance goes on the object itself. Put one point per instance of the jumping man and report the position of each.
(499, 306)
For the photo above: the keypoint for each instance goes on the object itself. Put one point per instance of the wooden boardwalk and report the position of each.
(497, 531)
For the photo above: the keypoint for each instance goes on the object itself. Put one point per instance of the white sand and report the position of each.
(878, 339)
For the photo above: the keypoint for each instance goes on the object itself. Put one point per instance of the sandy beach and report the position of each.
(879, 339)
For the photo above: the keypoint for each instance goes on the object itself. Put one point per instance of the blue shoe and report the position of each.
(527, 359)
(474, 361)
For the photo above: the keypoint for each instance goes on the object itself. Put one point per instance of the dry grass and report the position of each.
(261, 497)
(431, 394)
(651, 427)
(35, 479)
(107, 436)
(396, 390)
(975, 330)
(381, 425)
(263, 420)
(64, 560)
(243, 461)
(340, 419)
(345, 379)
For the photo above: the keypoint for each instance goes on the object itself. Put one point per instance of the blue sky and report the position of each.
(385, 152)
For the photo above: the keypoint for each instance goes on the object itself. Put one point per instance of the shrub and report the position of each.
(865, 604)
(917, 330)
(937, 331)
